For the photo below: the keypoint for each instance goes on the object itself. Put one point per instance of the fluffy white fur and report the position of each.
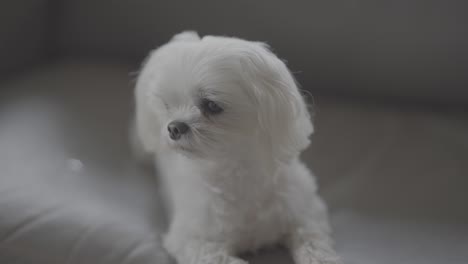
(234, 182)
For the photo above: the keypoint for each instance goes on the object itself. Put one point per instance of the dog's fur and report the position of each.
(234, 182)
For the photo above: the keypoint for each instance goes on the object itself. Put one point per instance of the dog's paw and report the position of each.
(220, 259)
(312, 255)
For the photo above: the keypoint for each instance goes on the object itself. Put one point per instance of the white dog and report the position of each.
(227, 123)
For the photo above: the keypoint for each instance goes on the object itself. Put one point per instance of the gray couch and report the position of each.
(390, 87)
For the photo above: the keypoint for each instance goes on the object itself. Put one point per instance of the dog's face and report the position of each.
(217, 97)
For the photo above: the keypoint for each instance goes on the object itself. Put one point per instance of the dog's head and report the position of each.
(217, 97)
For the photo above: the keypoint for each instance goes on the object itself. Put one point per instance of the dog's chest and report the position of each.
(250, 208)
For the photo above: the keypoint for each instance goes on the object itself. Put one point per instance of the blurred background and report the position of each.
(389, 81)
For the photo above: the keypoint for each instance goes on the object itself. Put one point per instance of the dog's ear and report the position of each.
(283, 117)
(188, 35)
(146, 128)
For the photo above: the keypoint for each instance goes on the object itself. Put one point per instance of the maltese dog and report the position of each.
(226, 124)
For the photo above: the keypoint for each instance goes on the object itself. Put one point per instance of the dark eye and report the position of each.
(210, 107)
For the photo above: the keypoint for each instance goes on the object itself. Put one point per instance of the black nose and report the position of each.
(177, 129)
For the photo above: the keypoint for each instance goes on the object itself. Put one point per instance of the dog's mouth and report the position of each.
(184, 149)
(181, 146)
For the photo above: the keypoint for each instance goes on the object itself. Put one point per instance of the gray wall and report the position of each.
(23, 33)
(410, 49)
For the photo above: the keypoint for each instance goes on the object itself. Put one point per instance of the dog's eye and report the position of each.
(210, 107)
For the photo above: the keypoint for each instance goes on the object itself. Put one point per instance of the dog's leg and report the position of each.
(196, 251)
(310, 242)
(311, 247)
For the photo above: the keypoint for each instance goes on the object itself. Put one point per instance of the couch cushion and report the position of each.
(394, 178)
(68, 191)
(409, 50)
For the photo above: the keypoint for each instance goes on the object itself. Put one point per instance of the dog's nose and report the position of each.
(177, 129)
